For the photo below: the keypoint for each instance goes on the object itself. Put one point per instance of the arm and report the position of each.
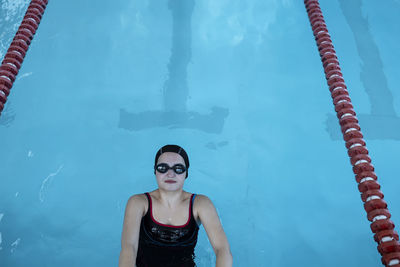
(210, 220)
(130, 233)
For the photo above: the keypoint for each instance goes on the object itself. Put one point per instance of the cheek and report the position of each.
(158, 177)
(182, 179)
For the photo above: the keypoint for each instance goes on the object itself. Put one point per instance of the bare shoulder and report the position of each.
(202, 200)
(138, 198)
(137, 204)
(202, 204)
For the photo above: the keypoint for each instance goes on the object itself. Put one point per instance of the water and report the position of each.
(239, 84)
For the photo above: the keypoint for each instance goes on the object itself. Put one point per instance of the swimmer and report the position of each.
(160, 227)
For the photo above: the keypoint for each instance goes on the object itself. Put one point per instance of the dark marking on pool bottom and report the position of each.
(209, 123)
(377, 127)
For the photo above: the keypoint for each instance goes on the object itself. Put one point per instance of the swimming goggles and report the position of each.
(164, 167)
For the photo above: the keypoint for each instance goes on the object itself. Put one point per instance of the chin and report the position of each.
(172, 187)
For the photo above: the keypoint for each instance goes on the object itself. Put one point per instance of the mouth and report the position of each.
(170, 181)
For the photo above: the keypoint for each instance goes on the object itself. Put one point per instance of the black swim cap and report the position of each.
(175, 149)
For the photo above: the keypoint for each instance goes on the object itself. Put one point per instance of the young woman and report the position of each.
(160, 227)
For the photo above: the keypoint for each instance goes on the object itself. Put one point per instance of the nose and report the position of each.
(171, 173)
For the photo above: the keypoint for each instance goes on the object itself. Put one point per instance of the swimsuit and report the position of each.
(166, 245)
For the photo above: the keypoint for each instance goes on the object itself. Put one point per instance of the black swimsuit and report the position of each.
(166, 245)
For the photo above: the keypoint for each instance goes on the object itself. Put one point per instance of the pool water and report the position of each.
(239, 84)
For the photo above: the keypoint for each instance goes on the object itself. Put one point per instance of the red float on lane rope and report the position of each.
(14, 57)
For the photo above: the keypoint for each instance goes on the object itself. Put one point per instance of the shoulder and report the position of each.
(137, 203)
(202, 203)
(137, 198)
(202, 199)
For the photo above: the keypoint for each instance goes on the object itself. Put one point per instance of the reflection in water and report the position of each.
(382, 123)
(7, 115)
(1, 217)
(46, 183)
(176, 91)
(15, 244)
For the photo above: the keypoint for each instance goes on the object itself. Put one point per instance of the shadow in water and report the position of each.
(176, 91)
(383, 122)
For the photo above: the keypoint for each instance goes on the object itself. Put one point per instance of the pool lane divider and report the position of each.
(15, 55)
(376, 208)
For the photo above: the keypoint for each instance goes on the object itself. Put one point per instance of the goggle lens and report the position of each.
(163, 168)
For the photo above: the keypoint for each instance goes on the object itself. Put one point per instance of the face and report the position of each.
(170, 181)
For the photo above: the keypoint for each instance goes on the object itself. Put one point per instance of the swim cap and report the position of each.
(175, 149)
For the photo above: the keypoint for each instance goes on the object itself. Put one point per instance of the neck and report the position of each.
(170, 198)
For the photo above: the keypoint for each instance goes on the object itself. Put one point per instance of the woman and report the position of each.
(160, 228)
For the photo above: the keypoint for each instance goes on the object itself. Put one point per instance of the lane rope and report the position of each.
(15, 55)
(376, 208)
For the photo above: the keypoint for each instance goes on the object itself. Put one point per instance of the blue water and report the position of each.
(239, 84)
